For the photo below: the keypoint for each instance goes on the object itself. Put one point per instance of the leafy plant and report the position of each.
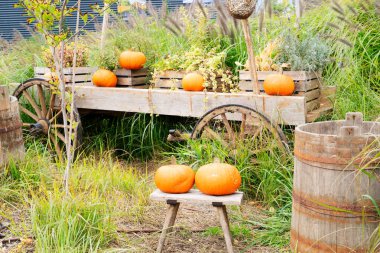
(309, 53)
(68, 55)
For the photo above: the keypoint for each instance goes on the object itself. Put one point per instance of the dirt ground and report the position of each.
(192, 233)
(196, 231)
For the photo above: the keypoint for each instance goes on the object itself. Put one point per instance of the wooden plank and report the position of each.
(290, 110)
(195, 196)
(84, 84)
(129, 73)
(309, 95)
(80, 70)
(296, 75)
(305, 85)
(309, 84)
(139, 86)
(168, 74)
(326, 104)
(78, 78)
(66, 71)
(168, 83)
(131, 81)
(313, 105)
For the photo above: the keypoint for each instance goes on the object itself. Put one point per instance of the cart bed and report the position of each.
(288, 110)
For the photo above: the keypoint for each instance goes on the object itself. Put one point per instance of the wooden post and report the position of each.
(4, 98)
(251, 55)
(224, 223)
(168, 224)
(104, 26)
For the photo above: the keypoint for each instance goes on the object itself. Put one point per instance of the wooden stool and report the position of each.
(193, 197)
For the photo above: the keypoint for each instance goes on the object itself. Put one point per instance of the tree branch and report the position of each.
(62, 18)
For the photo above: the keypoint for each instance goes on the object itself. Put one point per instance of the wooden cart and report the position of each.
(228, 117)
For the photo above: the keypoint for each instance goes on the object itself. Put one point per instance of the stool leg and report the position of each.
(223, 217)
(171, 214)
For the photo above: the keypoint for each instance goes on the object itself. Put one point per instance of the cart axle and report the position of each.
(176, 135)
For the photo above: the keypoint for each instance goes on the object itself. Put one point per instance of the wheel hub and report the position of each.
(41, 127)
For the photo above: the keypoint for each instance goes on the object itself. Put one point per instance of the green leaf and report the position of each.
(85, 18)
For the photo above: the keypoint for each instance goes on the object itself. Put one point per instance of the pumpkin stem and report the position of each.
(173, 160)
(217, 160)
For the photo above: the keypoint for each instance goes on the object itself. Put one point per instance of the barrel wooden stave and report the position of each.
(329, 212)
(11, 139)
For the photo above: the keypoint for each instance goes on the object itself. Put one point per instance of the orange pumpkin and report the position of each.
(104, 78)
(174, 178)
(132, 60)
(217, 179)
(279, 85)
(193, 82)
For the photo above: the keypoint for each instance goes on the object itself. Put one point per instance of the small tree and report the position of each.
(49, 18)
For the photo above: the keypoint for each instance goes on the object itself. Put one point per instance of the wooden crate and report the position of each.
(308, 85)
(132, 78)
(172, 79)
(83, 75)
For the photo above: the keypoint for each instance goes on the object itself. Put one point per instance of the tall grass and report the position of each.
(17, 61)
(354, 37)
(103, 192)
(132, 136)
(62, 224)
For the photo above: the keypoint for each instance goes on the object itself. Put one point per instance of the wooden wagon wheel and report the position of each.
(236, 126)
(42, 117)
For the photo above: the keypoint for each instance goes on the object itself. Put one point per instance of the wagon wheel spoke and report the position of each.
(51, 106)
(61, 137)
(42, 99)
(257, 132)
(216, 136)
(32, 103)
(56, 116)
(229, 129)
(243, 125)
(29, 113)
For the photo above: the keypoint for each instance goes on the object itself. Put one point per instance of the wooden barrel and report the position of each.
(332, 179)
(11, 141)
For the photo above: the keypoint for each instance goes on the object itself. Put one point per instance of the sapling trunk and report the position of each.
(104, 26)
(72, 118)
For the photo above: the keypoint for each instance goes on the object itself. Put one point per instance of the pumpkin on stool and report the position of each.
(218, 179)
(174, 178)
